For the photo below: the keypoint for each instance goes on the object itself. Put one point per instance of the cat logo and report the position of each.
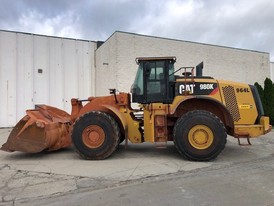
(186, 88)
(197, 88)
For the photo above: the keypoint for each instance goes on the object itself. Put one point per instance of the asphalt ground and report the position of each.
(26, 177)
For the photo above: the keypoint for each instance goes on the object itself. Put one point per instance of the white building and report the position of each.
(272, 71)
(36, 69)
(115, 60)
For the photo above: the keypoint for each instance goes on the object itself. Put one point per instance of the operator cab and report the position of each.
(154, 81)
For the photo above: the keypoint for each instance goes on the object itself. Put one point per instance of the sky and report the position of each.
(243, 24)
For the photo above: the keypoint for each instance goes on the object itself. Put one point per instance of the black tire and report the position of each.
(95, 135)
(199, 135)
(122, 139)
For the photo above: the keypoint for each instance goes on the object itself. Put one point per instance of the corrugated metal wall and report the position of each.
(42, 70)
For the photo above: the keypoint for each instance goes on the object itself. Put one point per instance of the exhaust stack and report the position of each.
(199, 69)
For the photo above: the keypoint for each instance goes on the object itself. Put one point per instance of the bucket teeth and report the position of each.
(44, 128)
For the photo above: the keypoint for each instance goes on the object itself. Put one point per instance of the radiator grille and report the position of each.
(231, 102)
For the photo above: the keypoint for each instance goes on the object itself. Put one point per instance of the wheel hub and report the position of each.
(93, 136)
(200, 137)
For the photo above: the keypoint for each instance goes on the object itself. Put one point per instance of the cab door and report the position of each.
(155, 84)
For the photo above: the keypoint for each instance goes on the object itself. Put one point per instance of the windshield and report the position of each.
(171, 73)
(137, 86)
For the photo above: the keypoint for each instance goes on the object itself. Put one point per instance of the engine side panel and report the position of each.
(236, 97)
(240, 102)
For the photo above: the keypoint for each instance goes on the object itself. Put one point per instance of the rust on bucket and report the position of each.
(44, 128)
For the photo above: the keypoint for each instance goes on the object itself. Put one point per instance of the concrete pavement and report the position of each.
(31, 176)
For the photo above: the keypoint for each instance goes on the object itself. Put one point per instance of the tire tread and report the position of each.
(116, 132)
(186, 117)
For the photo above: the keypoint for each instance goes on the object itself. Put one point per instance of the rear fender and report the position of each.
(208, 104)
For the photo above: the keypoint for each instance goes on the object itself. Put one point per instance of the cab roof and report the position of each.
(139, 59)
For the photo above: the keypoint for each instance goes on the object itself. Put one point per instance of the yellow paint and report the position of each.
(181, 98)
(130, 125)
(200, 137)
(253, 131)
(150, 111)
(244, 102)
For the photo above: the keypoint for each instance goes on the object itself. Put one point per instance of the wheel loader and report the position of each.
(196, 112)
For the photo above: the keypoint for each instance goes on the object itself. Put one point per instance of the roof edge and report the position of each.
(193, 42)
(135, 34)
(42, 35)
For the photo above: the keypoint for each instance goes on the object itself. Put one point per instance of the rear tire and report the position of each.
(122, 139)
(199, 135)
(95, 135)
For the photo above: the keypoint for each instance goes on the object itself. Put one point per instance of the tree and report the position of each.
(261, 92)
(267, 97)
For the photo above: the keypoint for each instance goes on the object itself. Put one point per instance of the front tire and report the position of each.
(199, 135)
(95, 135)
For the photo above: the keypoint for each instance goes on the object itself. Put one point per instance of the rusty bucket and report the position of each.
(44, 128)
